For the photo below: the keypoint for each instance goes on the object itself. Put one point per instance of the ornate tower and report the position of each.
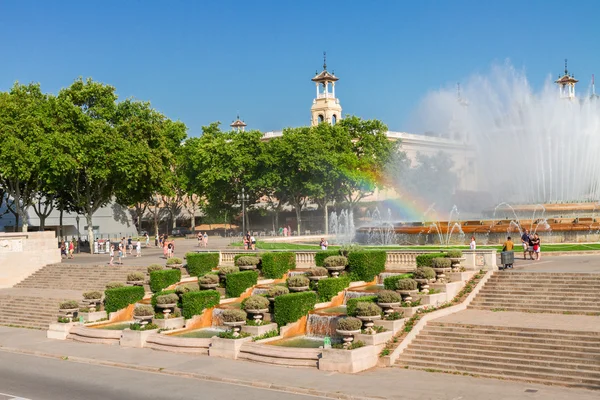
(566, 84)
(238, 125)
(325, 108)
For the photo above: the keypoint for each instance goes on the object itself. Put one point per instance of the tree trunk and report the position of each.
(247, 221)
(155, 220)
(88, 218)
(16, 227)
(326, 220)
(298, 209)
(60, 226)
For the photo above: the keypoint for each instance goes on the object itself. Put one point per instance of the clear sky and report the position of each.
(201, 61)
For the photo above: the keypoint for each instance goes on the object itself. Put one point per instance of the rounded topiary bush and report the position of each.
(155, 267)
(298, 281)
(406, 284)
(170, 298)
(349, 324)
(174, 261)
(114, 285)
(136, 277)
(454, 253)
(209, 279)
(69, 305)
(424, 273)
(187, 287)
(233, 315)
(366, 309)
(275, 291)
(388, 296)
(247, 261)
(144, 310)
(441, 263)
(256, 303)
(335, 261)
(226, 270)
(317, 271)
(92, 295)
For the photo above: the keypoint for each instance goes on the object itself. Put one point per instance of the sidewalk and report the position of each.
(392, 383)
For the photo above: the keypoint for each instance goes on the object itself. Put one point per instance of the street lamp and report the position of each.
(243, 197)
(78, 235)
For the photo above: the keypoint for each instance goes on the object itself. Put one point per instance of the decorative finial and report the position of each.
(324, 61)
(566, 71)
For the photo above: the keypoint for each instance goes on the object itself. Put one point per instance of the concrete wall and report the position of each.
(21, 254)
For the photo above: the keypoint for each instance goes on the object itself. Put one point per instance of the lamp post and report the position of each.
(78, 234)
(243, 197)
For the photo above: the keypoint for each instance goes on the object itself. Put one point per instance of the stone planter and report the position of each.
(236, 326)
(208, 286)
(368, 322)
(394, 325)
(171, 323)
(136, 283)
(407, 294)
(388, 308)
(335, 271)
(59, 330)
(143, 319)
(424, 284)
(92, 304)
(347, 336)
(131, 338)
(175, 266)
(441, 274)
(456, 263)
(226, 348)
(260, 329)
(376, 338)
(246, 267)
(68, 313)
(257, 315)
(92, 316)
(298, 289)
(167, 308)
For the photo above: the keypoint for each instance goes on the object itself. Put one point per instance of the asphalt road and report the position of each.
(38, 378)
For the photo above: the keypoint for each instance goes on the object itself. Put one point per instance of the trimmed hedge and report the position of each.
(165, 278)
(390, 282)
(329, 287)
(291, 307)
(194, 303)
(424, 260)
(275, 265)
(320, 256)
(199, 264)
(238, 282)
(351, 303)
(118, 298)
(366, 265)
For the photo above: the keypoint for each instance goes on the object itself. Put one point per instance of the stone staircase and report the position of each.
(548, 356)
(542, 292)
(33, 303)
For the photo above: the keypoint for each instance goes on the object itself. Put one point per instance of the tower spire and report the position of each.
(324, 61)
(566, 71)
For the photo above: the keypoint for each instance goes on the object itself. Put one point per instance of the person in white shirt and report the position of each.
(473, 244)
(138, 248)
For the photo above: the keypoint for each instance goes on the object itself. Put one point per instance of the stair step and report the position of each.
(491, 335)
(457, 342)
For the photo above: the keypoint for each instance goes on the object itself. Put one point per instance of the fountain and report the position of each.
(341, 227)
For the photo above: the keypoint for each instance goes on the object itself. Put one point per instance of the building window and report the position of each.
(321, 119)
(333, 119)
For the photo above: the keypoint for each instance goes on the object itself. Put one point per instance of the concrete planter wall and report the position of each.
(171, 323)
(92, 316)
(349, 361)
(432, 299)
(279, 355)
(59, 331)
(376, 339)
(226, 348)
(460, 276)
(131, 338)
(259, 329)
(86, 334)
(178, 344)
(393, 326)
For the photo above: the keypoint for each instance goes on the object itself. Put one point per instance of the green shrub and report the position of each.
(174, 260)
(92, 295)
(320, 256)
(167, 298)
(187, 287)
(199, 264)
(136, 277)
(246, 261)
(238, 282)
(114, 285)
(69, 304)
(366, 265)
(441, 263)
(335, 261)
(233, 315)
(194, 303)
(298, 281)
(277, 290)
(165, 278)
(143, 310)
(454, 253)
(406, 284)
(388, 296)
(366, 309)
(424, 273)
(209, 279)
(317, 271)
(389, 283)
(256, 303)
(424, 260)
(226, 270)
(329, 287)
(118, 298)
(346, 249)
(155, 267)
(275, 265)
(162, 293)
(351, 303)
(291, 307)
(349, 324)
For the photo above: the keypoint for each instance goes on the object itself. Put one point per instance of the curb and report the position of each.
(192, 375)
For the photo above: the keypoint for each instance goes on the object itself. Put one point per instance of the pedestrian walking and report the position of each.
(156, 240)
(138, 249)
(130, 246)
(253, 242)
(285, 231)
(169, 250)
(147, 239)
(205, 237)
(323, 244)
(121, 248)
(537, 247)
(112, 255)
(525, 243)
(200, 239)
(473, 244)
(71, 249)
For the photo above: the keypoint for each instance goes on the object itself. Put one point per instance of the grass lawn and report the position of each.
(545, 247)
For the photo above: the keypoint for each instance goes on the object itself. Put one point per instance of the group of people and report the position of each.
(285, 231)
(125, 246)
(249, 241)
(67, 250)
(202, 239)
(532, 245)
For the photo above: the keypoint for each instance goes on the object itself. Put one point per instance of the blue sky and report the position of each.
(200, 61)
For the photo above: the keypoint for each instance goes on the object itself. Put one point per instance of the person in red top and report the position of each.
(71, 249)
